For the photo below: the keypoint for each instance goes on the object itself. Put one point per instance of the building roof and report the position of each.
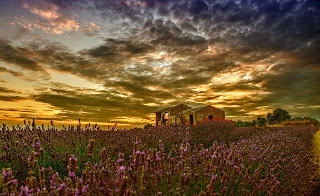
(164, 109)
(167, 109)
(197, 109)
(191, 110)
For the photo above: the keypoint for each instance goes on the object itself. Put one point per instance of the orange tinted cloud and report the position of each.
(51, 12)
(52, 21)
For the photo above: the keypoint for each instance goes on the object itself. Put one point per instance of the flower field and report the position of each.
(213, 158)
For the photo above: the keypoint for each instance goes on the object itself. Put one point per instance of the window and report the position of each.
(210, 117)
(166, 116)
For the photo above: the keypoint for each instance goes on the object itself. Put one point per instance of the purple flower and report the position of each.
(4, 174)
(77, 192)
(213, 178)
(61, 187)
(223, 190)
(84, 188)
(122, 169)
(138, 152)
(71, 174)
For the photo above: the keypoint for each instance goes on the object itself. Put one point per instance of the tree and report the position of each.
(278, 116)
(261, 121)
(254, 123)
(269, 118)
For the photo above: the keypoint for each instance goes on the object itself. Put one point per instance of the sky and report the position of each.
(119, 61)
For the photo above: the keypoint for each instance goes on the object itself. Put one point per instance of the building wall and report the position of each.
(204, 114)
(186, 117)
(172, 119)
(174, 116)
(158, 118)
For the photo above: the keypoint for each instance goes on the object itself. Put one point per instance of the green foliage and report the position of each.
(148, 125)
(240, 123)
(278, 116)
(262, 121)
(312, 121)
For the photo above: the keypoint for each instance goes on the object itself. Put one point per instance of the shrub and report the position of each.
(298, 123)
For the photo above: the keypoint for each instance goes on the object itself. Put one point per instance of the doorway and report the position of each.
(191, 119)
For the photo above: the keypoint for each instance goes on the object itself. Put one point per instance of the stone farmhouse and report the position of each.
(184, 114)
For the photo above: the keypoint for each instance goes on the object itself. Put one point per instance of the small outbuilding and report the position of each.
(184, 114)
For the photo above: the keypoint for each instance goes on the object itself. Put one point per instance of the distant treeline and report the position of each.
(278, 117)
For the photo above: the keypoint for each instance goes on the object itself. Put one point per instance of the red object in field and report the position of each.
(219, 119)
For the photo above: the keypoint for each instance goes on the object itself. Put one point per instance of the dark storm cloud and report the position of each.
(38, 56)
(292, 85)
(246, 25)
(101, 106)
(170, 36)
(60, 58)
(118, 51)
(21, 57)
(272, 16)
(267, 24)
(141, 92)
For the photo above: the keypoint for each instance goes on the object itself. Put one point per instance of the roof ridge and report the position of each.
(168, 108)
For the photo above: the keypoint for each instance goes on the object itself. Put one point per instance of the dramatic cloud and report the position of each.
(133, 57)
(11, 98)
(6, 90)
(19, 56)
(98, 106)
(14, 73)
